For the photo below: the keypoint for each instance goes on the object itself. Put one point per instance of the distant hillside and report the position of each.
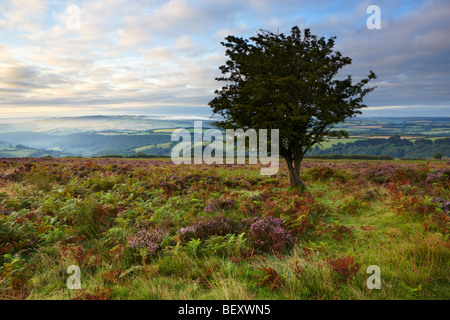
(127, 135)
(21, 151)
(91, 135)
(4, 144)
(86, 144)
(393, 146)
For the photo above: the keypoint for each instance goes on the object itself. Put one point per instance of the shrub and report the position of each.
(379, 173)
(215, 205)
(95, 294)
(326, 173)
(42, 180)
(351, 206)
(433, 177)
(14, 277)
(414, 205)
(18, 232)
(337, 232)
(230, 245)
(345, 267)
(267, 234)
(149, 240)
(215, 226)
(212, 206)
(91, 218)
(438, 221)
(270, 279)
(443, 204)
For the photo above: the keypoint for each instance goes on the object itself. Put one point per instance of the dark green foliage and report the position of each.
(393, 147)
(350, 156)
(288, 83)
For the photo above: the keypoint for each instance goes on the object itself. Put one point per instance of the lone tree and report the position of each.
(284, 82)
(437, 155)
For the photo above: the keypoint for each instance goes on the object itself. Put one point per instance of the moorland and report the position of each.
(149, 229)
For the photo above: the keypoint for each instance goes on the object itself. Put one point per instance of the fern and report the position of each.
(192, 246)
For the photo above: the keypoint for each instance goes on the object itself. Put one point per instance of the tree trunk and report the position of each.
(295, 181)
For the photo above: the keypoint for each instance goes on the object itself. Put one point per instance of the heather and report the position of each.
(149, 229)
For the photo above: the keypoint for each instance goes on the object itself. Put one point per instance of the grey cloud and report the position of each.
(167, 53)
(410, 55)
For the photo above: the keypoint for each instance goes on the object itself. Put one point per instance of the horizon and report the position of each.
(194, 117)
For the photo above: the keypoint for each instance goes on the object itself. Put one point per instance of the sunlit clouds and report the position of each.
(161, 57)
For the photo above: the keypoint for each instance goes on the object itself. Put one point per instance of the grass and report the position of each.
(55, 213)
(165, 130)
(153, 146)
(16, 152)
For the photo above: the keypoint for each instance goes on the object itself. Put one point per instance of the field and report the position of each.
(141, 229)
(22, 151)
(93, 136)
(406, 127)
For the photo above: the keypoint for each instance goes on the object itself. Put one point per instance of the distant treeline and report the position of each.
(136, 156)
(393, 147)
(332, 156)
(351, 156)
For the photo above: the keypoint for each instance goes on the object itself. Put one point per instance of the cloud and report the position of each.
(24, 15)
(410, 53)
(147, 54)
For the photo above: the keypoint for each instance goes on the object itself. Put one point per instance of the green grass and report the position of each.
(153, 146)
(51, 218)
(17, 152)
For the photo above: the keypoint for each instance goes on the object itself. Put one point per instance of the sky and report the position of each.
(159, 57)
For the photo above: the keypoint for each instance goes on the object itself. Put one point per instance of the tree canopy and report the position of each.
(287, 82)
